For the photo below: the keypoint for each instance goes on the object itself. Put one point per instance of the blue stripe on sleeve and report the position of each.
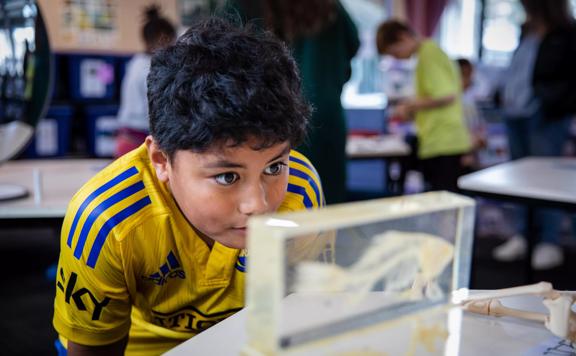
(305, 164)
(111, 183)
(293, 188)
(311, 168)
(94, 214)
(310, 180)
(109, 225)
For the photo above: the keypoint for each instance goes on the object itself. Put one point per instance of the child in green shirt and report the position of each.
(436, 107)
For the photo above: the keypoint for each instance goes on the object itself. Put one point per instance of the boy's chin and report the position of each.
(236, 245)
(237, 240)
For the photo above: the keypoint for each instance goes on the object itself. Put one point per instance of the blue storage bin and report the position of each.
(102, 125)
(92, 77)
(58, 86)
(366, 178)
(366, 175)
(366, 120)
(52, 136)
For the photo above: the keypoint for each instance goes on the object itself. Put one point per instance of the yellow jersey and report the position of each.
(441, 131)
(131, 264)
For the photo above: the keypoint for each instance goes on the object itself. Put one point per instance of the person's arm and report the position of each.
(406, 110)
(436, 80)
(418, 104)
(113, 349)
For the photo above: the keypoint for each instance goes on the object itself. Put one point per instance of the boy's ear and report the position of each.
(158, 158)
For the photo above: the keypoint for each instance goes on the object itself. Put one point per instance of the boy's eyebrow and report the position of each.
(223, 163)
(285, 151)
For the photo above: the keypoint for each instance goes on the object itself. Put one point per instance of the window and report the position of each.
(459, 30)
(501, 31)
(365, 88)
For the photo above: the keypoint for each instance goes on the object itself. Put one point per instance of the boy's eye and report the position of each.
(275, 168)
(226, 178)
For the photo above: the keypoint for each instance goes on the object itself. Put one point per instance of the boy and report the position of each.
(474, 122)
(442, 134)
(152, 248)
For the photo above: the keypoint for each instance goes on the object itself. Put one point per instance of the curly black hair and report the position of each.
(222, 84)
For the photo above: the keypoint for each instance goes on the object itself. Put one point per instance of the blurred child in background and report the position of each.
(157, 33)
(437, 109)
(474, 121)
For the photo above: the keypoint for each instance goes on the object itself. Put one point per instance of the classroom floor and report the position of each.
(26, 295)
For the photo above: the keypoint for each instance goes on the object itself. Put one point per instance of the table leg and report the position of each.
(531, 236)
(395, 176)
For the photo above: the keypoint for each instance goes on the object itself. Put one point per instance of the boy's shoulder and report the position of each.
(430, 48)
(123, 178)
(304, 189)
(297, 157)
(122, 196)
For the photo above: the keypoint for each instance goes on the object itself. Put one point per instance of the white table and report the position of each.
(471, 334)
(548, 181)
(380, 146)
(51, 184)
(391, 148)
(533, 181)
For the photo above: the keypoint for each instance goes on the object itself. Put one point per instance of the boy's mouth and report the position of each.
(239, 231)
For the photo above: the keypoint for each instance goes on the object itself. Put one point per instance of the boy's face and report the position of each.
(218, 190)
(404, 48)
(466, 72)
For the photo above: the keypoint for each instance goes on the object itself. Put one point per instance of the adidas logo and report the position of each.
(170, 269)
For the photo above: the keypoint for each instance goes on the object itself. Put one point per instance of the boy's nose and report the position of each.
(254, 200)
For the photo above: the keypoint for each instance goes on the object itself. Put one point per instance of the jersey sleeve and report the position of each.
(304, 186)
(92, 305)
(305, 192)
(437, 76)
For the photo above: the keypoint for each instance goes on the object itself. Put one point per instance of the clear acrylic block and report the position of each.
(319, 278)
